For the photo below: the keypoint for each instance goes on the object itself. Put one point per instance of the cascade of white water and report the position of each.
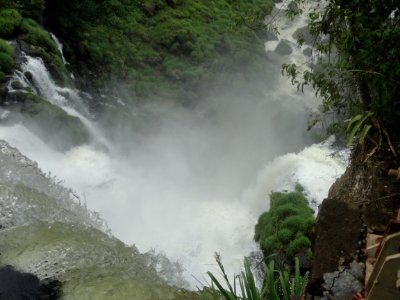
(44, 83)
(66, 98)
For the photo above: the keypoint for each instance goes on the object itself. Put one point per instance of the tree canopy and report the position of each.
(357, 43)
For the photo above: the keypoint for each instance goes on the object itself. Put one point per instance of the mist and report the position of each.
(174, 180)
(189, 181)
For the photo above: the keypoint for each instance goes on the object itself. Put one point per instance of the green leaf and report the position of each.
(225, 293)
(364, 133)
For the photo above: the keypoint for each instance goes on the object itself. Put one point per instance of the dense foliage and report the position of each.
(284, 230)
(169, 47)
(6, 58)
(360, 74)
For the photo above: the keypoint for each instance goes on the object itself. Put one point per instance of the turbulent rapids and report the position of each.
(184, 183)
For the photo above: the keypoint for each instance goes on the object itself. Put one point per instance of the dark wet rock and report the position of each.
(3, 93)
(363, 198)
(307, 52)
(18, 286)
(304, 34)
(336, 237)
(29, 76)
(29, 49)
(16, 97)
(278, 1)
(17, 85)
(284, 48)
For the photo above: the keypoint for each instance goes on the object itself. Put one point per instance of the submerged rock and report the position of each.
(284, 48)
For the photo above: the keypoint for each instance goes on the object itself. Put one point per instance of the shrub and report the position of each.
(301, 242)
(285, 228)
(9, 22)
(36, 36)
(6, 58)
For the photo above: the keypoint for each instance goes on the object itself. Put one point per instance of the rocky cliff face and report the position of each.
(363, 200)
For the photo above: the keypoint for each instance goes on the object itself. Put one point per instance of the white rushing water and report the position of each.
(189, 182)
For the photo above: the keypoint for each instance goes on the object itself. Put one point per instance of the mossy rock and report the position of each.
(52, 124)
(17, 85)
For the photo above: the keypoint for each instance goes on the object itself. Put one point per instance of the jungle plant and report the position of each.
(277, 284)
(358, 74)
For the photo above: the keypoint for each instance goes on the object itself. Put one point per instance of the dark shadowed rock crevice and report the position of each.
(15, 285)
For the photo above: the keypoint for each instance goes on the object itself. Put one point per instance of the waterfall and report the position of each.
(59, 47)
(186, 182)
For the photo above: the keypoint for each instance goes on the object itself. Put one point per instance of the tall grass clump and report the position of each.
(277, 284)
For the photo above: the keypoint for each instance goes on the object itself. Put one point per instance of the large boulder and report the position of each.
(49, 122)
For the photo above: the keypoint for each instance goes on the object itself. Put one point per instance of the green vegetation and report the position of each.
(283, 231)
(6, 58)
(283, 236)
(277, 284)
(359, 78)
(164, 49)
(156, 47)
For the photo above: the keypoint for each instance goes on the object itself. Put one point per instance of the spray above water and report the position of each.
(181, 180)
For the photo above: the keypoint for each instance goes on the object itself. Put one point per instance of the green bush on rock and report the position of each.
(283, 230)
(6, 58)
(9, 22)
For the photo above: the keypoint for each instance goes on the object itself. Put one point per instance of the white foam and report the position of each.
(315, 168)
